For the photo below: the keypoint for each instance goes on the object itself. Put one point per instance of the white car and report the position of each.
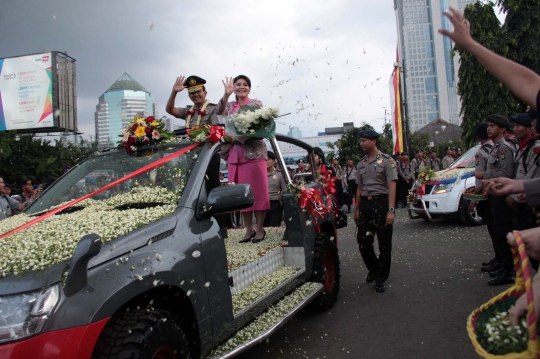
(443, 197)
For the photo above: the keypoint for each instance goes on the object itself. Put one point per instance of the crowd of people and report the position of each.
(11, 205)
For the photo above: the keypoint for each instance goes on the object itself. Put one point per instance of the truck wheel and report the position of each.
(467, 217)
(325, 271)
(153, 334)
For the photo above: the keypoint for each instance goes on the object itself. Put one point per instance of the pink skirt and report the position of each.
(252, 172)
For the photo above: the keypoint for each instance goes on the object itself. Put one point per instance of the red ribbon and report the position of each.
(142, 170)
(311, 199)
(213, 133)
(421, 190)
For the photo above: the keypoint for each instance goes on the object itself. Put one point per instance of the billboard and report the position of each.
(37, 93)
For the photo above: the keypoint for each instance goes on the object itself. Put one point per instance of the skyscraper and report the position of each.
(430, 70)
(117, 106)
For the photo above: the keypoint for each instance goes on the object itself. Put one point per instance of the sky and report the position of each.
(325, 62)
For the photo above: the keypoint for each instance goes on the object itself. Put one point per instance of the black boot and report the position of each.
(506, 277)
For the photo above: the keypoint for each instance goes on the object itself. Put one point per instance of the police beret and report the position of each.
(522, 119)
(448, 148)
(499, 120)
(194, 83)
(369, 134)
(26, 182)
(90, 180)
(481, 131)
(271, 155)
(532, 114)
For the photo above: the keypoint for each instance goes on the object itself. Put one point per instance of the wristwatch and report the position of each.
(392, 210)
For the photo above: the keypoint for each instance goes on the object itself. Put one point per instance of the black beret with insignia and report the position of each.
(481, 131)
(499, 120)
(194, 83)
(522, 119)
(271, 155)
(369, 134)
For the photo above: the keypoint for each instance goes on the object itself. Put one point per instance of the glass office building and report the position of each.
(117, 106)
(430, 71)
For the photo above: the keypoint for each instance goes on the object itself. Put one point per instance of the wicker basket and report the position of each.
(504, 301)
(475, 196)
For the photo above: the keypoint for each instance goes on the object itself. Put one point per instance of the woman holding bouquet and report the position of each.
(247, 161)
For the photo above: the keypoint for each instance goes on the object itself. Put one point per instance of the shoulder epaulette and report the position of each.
(385, 155)
(363, 159)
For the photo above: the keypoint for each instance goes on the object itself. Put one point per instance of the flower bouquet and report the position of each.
(425, 176)
(208, 133)
(144, 131)
(251, 121)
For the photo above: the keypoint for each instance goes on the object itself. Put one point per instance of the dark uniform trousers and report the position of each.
(351, 192)
(500, 223)
(371, 221)
(274, 214)
(524, 218)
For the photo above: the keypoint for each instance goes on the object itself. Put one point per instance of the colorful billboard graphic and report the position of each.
(26, 92)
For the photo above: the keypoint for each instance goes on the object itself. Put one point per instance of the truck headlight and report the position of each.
(443, 188)
(25, 314)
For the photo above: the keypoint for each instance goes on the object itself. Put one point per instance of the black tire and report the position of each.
(325, 271)
(142, 335)
(465, 216)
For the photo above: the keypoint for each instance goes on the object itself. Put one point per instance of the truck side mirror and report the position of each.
(228, 198)
(87, 248)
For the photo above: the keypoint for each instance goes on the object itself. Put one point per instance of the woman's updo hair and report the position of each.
(320, 153)
(243, 77)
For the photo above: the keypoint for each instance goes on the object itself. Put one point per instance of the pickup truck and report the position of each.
(142, 267)
(443, 197)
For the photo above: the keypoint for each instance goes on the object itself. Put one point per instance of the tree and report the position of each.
(481, 93)
(418, 141)
(349, 144)
(522, 26)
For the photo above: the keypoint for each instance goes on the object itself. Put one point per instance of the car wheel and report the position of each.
(325, 271)
(467, 217)
(153, 334)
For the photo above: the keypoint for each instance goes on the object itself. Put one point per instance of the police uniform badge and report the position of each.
(379, 161)
(392, 164)
(192, 82)
(477, 160)
(502, 153)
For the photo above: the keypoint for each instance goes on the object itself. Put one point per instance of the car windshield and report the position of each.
(466, 159)
(159, 185)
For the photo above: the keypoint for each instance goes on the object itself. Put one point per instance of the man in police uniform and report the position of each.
(276, 187)
(374, 211)
(526, 168)
(350, 182)
(434, 162)
(404, 178)
(500, 163)
(448, 160)
(417, 163)
(202, 112)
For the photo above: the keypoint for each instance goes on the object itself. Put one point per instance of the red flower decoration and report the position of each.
(150, 119)
(134, 127)
(131, 140)
(201, 112)
(215, 134)
(191, 112)
(146, 140)
(148, 131)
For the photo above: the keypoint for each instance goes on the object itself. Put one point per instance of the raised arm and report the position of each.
(177, 87)
(228, 84)
(523, 82)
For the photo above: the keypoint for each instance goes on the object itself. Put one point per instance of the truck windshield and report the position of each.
(98, 171)
(467, 159)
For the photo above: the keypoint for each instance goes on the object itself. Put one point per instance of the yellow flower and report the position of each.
(154, 124)
(141, 121)
(140, 132)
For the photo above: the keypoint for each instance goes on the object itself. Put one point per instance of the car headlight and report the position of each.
(25, 314)
(443, 188)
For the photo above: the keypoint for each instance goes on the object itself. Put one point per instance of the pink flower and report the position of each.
(132, 148)
(155, 135)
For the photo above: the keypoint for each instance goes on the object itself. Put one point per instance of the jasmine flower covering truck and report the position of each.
(142, 268)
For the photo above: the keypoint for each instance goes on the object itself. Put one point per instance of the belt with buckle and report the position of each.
(371, 198)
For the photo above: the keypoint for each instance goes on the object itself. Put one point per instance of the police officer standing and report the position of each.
(374, 211)
(500, 163)
(350, 182)
(434, 162)
(202, 112)
(404, 178)
(276, 188)
(417, 163)
(448, 160)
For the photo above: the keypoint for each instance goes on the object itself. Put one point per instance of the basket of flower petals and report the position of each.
(473, 195)
(489, 325)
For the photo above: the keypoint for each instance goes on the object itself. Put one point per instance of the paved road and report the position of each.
(434, 284)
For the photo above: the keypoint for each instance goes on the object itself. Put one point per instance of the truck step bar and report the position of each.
(269, 322)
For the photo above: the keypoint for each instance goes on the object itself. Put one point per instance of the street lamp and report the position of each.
(403, 104)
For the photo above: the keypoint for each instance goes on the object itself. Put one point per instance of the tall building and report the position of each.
(294, 132)
(430, 70)
(117, 106)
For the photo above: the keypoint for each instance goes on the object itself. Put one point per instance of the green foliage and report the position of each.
(481, 93)
(349, 144)
(418, 141)
(522, 26)
(24, 157)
